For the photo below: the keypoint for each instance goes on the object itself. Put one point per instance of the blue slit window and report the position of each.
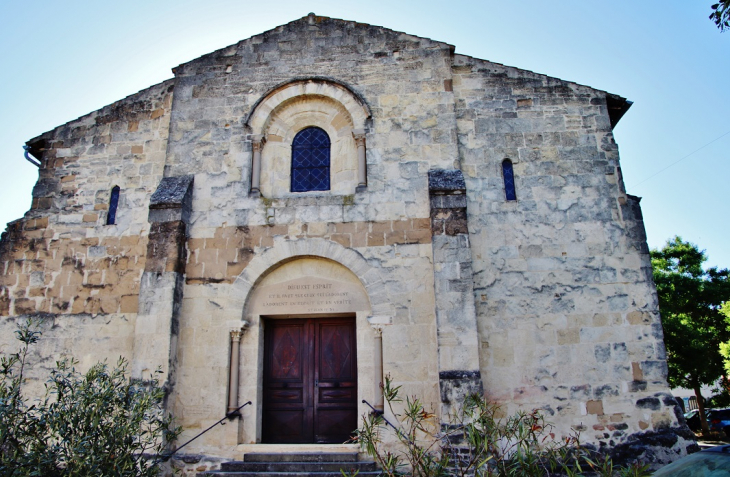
(509, 180)
(113, 203)
(310, 160)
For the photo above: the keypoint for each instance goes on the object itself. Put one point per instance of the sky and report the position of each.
(61, 60)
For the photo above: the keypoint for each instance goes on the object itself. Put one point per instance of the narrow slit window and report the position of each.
(310, 160)
(509, 180)
(111, 217)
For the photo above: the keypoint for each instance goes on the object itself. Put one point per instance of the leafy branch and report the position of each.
(721, 14)
(476, 442)
(93, 423)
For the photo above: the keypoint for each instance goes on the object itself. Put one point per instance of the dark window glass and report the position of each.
(310, 160)
(113, 203)
(509, 180)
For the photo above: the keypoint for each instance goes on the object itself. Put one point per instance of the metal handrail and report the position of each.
(380, 413)
(229, 415)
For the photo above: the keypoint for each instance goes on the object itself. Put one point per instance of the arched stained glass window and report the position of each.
(113, 203)
(310, 160)
(509, 180)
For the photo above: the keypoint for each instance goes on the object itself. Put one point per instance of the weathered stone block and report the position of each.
(595, 407)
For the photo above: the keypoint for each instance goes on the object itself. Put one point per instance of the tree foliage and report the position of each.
(725, 347)
(721, 14)
(98, 423)
(690, 299)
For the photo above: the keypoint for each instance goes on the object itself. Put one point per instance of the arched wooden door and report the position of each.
(310, 381)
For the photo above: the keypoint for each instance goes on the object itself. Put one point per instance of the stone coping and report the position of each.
(297, 448)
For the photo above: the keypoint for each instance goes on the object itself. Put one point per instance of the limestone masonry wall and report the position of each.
(62, 258)
(568, 316)
(395, 74)
(222, 257)
(542, 302)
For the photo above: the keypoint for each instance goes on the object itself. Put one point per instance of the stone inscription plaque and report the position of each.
(308, 295)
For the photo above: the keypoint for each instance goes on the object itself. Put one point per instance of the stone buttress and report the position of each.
(458, 346)
(157, 326)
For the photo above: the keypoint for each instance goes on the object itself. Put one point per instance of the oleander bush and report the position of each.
(95, 423)
(476, 442)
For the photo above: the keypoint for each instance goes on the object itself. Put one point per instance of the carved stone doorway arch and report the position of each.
(323, 299)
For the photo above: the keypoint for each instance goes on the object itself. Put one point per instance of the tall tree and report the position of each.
(721, 14)
(690, 299)
(725, 347)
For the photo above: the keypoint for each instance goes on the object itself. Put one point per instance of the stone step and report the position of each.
(299, 464)
(221, 473)
(280, 467)
(300, 457)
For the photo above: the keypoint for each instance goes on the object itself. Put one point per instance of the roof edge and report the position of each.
(617, 107)
(312, 18)
(36, 144)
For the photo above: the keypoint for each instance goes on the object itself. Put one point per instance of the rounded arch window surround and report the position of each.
(279, 169)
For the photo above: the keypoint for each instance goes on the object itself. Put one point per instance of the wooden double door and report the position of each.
(310, 381)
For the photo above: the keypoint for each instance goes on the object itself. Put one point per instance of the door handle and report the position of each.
(316, 383)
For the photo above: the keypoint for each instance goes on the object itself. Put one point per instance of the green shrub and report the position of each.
(477, 442)
(99, 423)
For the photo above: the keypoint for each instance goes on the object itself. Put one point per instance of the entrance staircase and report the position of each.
(308, 464)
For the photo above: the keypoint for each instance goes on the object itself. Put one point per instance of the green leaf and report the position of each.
(86, 424)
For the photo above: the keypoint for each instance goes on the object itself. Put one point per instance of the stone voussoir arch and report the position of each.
(316, 92)
(285, 251)
(262, 110)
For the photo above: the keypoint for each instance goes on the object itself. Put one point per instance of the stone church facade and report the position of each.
(290, 218)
